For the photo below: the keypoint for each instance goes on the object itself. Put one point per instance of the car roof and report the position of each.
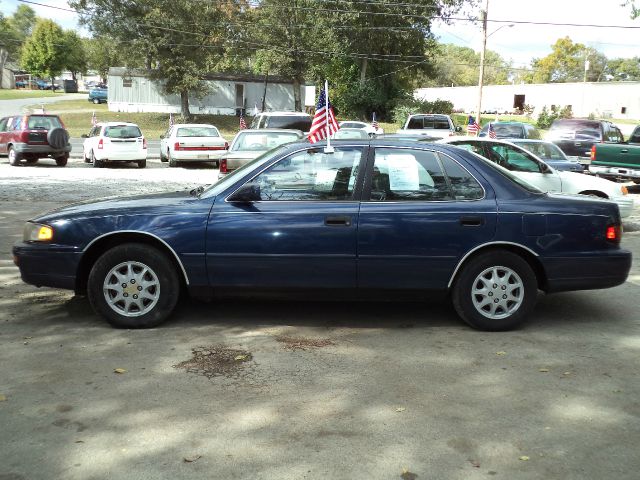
(450, 140)
(113, 124)
(271, 130)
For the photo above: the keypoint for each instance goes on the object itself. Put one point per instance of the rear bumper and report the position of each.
(587, 272)
(198, 155)
(615, 172)
(47, 265)
(27, 149)
(121, 156)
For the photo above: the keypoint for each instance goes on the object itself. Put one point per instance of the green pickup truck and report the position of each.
(617, 161)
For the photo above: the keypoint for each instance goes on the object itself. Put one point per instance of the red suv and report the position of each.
(30, 137)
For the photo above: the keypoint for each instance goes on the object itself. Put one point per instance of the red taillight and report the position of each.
(593, 153)
(223, 165)
(176, 146)
(144, 143)
(614, 232)
(101, 144)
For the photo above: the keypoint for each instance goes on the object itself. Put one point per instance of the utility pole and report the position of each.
(483, 16)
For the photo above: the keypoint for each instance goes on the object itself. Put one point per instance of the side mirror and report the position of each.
(458, 129)
(249, 192)
(84, 135)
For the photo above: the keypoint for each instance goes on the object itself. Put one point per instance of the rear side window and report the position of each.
(463, 185)
(41, 122)
(122, 131)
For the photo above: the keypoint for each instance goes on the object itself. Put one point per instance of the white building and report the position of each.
(131, 91)
(602, 99)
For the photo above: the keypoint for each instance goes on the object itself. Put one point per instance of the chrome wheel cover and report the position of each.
(497, 292)
(131, 289)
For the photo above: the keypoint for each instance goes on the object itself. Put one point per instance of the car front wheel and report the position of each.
(133, 286)
(495, 291)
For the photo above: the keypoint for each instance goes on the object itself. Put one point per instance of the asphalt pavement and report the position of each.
(16, 107)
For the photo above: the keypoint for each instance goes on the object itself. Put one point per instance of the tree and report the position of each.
(566, 63)
(103, 52)
(75, 59)
(23, 20)
(624, 69)
(177, 41)
(43, 53)
(635, 11)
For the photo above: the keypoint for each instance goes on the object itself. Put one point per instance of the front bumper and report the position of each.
(47, 265)
(27, 149)
(587, 272)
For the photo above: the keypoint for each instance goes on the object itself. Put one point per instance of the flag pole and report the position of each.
(328, 148)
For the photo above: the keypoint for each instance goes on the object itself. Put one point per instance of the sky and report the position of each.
(520, 43)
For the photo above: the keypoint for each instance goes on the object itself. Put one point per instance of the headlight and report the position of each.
(35, 232)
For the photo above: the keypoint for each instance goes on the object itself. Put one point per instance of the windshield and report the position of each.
(435, 123)
(506, 173)
(222, 184)
(289, 121)
(197, 132)
(259, 141)
(545, 151)
(122, 131)
(44, 122)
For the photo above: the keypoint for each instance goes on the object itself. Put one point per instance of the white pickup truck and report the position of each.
(430, 125)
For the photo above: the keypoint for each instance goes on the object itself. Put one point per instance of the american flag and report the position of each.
(374, 122)
(492, 132)
(171, 120)
(472, 126)
(322, 118)
(243, 124)
(94, 119)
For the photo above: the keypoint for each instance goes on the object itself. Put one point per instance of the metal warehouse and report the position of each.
(132, 91)
(601, 99)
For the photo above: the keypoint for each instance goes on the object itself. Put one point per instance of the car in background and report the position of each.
(32, 137)
(576, 136)
(549, 153)
(431, 125)
(511, 130)
(367, 127)
(192, 142)
(286, 120)
(349, 133)
(372, 217)
(495, 111)
(249, 144)
(115, 142)
(530, 168)
(98, 95)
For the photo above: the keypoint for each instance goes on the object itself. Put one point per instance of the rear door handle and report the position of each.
(337, 221)
(471, 221)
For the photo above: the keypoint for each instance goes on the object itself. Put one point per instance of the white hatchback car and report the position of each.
(192, 142)
(367, 127)
(115, 142)
(536, 172)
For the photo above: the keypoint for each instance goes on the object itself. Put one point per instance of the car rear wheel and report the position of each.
(14, 157)
(495, 291)
(96, 101)
(142, 163)
(172, 162)
(62, 161)
(96, 163)
(133, 286)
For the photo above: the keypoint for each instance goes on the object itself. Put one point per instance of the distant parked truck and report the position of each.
(431, 125)
(618, 161)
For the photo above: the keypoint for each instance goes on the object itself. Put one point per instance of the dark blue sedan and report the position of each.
(370, 217)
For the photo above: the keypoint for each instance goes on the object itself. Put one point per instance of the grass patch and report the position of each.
(77, 105)
(19, 94)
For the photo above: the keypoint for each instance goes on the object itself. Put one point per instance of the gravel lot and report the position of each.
(313, 390)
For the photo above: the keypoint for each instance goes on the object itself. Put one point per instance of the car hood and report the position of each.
(157, 203)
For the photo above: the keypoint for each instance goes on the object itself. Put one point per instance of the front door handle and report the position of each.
(471, 221)
(337, 221)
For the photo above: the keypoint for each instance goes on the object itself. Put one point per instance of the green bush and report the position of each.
(546, 117)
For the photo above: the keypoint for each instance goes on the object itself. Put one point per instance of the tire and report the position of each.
(162, 157)
(502, 274)
(129, 264)
(62, 161)
(172, 162)
(14, 157)
(96, 163)
(58, 138)
(86, 159)
(96, 101)
(142, 163)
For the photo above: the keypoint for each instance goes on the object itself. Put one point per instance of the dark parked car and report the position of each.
(576, 136)
(30, 137)
(512, 130)
(375, 217)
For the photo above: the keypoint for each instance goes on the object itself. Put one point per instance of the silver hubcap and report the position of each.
(497, 292)
(131, 289)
